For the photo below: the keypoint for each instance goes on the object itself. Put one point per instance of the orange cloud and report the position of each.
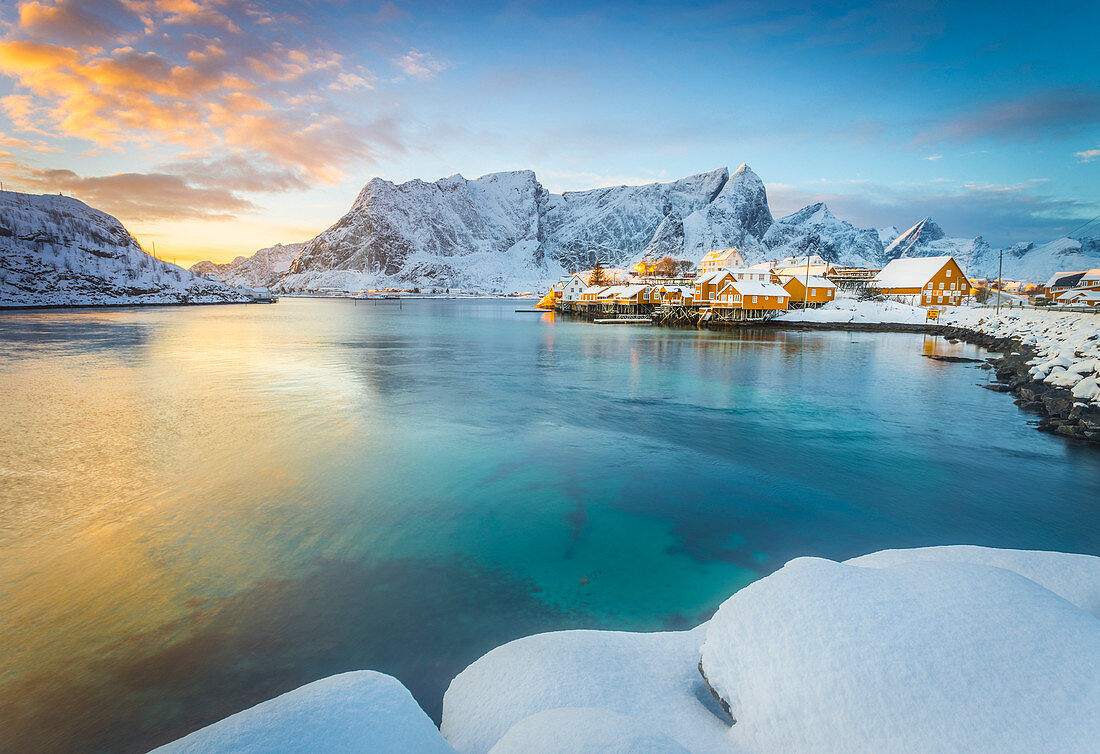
(213, 88)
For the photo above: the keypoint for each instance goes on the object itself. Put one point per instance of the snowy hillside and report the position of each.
(56, 251)
(262, 269)
(1028, 261)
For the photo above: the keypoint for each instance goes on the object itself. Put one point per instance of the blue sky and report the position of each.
(214, 127)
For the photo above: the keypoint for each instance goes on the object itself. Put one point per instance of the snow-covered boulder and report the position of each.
(651, 679)
(900, 654)
(580, 730)
(359, 711)
(1087, 389)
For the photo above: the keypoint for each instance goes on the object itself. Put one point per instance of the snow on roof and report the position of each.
(814, 269)
(911, 272)
(1065, 279)
(755, 288)
(1091, 276)
(815, 261)
(812, 282)
(1082, 295)
(632, 290)
(613, 290)
(718, 255)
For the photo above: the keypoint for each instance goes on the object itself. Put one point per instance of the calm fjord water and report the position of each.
(203, 507)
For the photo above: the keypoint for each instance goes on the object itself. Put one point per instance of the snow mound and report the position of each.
(573, 730)
(1072, 577)
(359, 711)
(922, 656)
(651, 679)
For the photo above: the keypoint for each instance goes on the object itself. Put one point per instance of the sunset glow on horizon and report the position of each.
(212, 128)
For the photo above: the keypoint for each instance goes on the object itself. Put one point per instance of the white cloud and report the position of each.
(1088, 155)
(933, 157)
(420, 65)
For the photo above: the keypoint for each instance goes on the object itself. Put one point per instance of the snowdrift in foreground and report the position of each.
(935, 649)
(360, 711)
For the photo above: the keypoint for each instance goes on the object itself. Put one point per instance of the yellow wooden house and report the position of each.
(752, 295)
(720, 258)
(812, 291)
(923, 281)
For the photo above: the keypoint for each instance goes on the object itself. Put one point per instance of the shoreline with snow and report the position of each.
(922, 646)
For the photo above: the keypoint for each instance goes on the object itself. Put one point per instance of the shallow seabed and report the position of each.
(203, 507)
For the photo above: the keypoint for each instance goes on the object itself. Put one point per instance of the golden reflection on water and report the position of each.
(107, 473)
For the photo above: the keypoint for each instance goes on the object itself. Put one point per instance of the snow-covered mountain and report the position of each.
(1037, 262)
(504, 231)
(927, 239)
(815, 230)
(58, 251)
(262, 269)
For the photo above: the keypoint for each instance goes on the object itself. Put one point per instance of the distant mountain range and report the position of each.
(58, 251)
(501, 232)
(505, 231)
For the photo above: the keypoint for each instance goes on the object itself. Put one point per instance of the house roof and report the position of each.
(631, 290)
(1092, 276)
(612, 291)
(1066, 279)
(800, 269)
(812, 282)
(910, 272)
(1084, 295)
(755, 288)
(594, 289)
(717, 255)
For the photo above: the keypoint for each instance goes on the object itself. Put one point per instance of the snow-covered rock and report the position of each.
(358, 711)
(918, 655)
(815, 230)
(651, 679)
(58, 251)
(262, 269)
(584, 730)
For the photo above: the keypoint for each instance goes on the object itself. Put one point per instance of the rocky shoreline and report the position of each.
(1061, 413)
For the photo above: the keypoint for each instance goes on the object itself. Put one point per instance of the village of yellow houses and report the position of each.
(721, 288)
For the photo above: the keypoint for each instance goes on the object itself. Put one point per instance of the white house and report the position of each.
(720, 258)
(573, 288)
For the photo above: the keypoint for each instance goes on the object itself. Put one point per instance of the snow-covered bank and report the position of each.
(935, 649)
(1066, 344)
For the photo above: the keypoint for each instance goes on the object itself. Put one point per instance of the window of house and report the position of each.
(737, 299)
(941, 286)
(813, 291)
(948, 273)
(754, 299)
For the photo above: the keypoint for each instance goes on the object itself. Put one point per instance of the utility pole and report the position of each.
(1000, 265)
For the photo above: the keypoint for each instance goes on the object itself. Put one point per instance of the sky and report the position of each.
(212, 128)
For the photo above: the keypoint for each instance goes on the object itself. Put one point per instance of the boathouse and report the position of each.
(923, 281)
(752, 296)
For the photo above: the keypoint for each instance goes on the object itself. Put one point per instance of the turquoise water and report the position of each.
(203, 507)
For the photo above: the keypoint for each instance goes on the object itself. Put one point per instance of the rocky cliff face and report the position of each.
(57, 251)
